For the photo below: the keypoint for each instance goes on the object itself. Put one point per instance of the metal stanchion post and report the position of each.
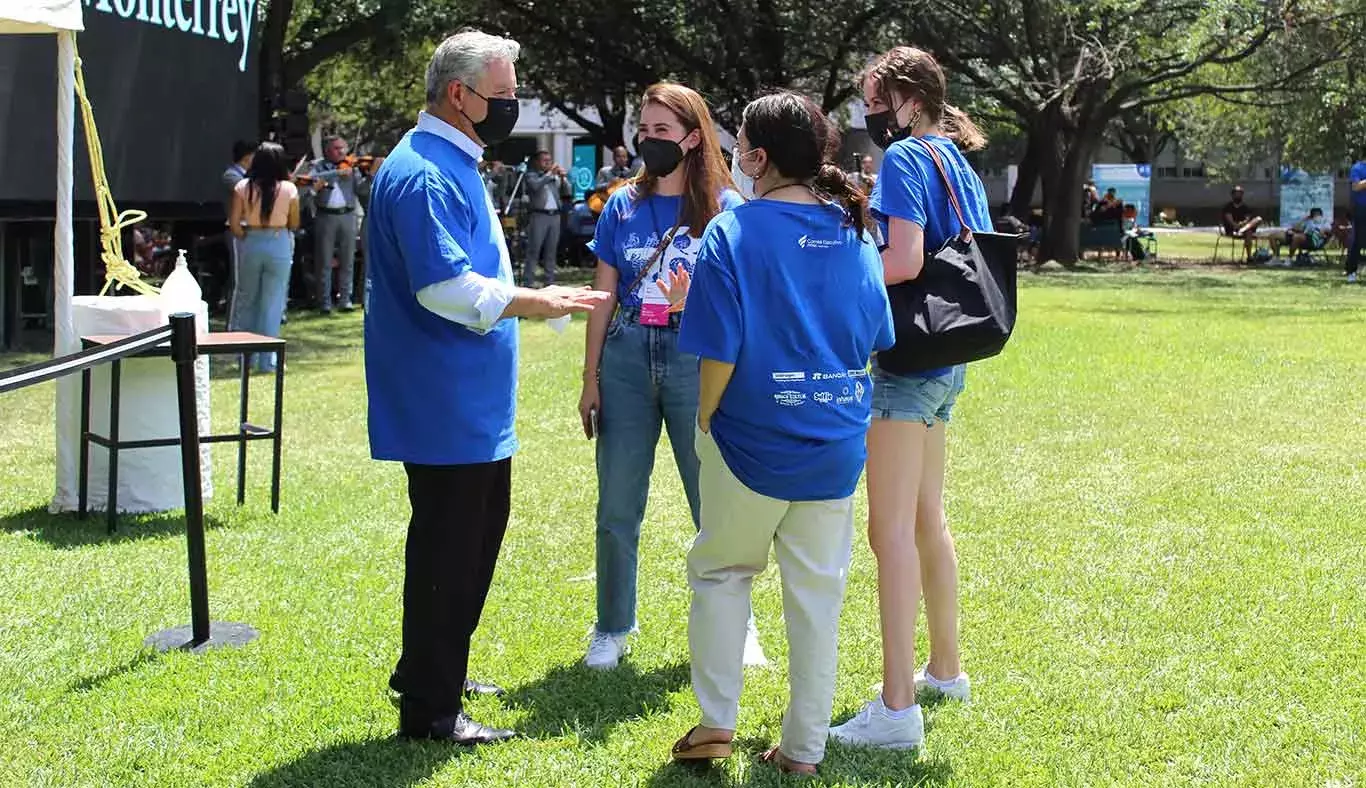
(202, 634)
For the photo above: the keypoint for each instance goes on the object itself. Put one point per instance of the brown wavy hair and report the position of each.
(802, 143)
(705, 172)
(915, 74)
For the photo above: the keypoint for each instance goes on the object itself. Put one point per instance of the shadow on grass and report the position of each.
(65, 531)
(87, 683)
(375, 763)
(842, 766)
(576, 699)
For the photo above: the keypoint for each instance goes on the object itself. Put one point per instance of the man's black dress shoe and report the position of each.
(459, 729)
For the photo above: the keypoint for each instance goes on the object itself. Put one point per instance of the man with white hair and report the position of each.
(441, 370)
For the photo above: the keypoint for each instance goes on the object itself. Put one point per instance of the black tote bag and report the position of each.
(961, 307)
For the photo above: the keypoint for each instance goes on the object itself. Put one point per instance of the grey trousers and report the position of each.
(543, 241)
(334, 235)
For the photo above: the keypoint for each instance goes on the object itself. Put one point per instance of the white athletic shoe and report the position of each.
(874, 726)
(957, 688)
(1351, 279)
(605, 651)
(754, 652)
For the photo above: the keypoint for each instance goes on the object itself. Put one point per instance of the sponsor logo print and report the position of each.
(840, 375)
(788, 377)
(858, 390)
(807, 242)
(845, 400)
(823, 397)
(789, 398)
(858, 373)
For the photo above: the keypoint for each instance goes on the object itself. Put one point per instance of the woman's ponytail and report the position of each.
(834, 183)
(958, 127)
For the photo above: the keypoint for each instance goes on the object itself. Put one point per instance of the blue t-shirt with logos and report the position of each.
(793, 297)
(909, 187)
(439, 393)
(628, 233)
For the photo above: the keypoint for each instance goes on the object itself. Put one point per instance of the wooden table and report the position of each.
(238, 343)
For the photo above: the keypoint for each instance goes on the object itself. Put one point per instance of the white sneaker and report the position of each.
(874, 727)
(1351, 279)
(957, 688)
(605, 651)
(754, 652)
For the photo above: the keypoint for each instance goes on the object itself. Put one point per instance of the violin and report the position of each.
(362, 163)
(598, 199)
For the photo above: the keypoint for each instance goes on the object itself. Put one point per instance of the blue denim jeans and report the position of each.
(645, 384)
(263, 263)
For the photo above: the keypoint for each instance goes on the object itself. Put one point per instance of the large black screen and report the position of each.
(173, 84)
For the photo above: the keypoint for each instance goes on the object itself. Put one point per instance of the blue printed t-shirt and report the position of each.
(440, 393)
(1358, 173)
(628, 233)
(909, 187)
(795, 300)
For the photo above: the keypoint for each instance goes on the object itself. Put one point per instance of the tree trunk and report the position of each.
(271, 63)
(1026, 178)
(1072, 151)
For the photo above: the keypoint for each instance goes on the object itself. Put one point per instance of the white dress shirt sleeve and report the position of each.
(474, 301)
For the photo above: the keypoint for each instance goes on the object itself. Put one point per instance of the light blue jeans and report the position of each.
(645, 384)
(263, 264)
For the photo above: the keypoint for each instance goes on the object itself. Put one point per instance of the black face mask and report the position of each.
(498, 124)
(882, 128)
(661, 156)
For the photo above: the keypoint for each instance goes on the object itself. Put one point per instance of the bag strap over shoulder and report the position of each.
(966, 233)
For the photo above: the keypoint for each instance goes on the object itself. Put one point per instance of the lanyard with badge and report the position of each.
(654, 306)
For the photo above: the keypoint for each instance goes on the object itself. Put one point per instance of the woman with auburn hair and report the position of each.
(909, 116)
(635, 379)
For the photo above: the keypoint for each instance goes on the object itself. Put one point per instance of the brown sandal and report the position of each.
(785, 764)
(686, 750)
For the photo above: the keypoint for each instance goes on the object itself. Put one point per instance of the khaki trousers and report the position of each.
(812, 541)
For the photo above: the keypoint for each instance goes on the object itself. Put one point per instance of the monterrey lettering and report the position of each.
(222, 20)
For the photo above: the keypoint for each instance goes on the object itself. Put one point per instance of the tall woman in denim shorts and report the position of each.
(636, 380)
(904, 90)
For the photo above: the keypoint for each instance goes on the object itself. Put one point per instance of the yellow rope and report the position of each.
(117, 271)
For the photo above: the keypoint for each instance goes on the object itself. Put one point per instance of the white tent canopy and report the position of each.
(62, 17)
(40, 16)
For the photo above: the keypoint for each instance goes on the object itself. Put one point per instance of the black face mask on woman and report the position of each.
(882, 128)
(661, 156)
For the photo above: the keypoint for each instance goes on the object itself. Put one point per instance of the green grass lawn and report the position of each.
(1158, 494)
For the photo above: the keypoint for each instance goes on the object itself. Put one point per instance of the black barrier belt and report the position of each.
(66, 365)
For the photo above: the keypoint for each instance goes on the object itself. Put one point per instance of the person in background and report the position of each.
(265, 214)
(908, 113)
(1309, 234)
(441, 371)
(1090, 198)
(545, 185)
(1238, 221)
(781, 451)
(619, 169)
(241, 160)
(1357, 179)
(335, 185)
(866, 176)
(635, 379)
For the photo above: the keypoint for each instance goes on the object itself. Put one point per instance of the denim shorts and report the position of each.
(916, 398)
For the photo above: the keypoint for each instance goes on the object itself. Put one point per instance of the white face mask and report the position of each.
(742, 181)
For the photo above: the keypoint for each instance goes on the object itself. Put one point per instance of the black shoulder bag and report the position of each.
(961, 307)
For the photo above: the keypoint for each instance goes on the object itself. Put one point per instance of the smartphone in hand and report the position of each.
(593, 423)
